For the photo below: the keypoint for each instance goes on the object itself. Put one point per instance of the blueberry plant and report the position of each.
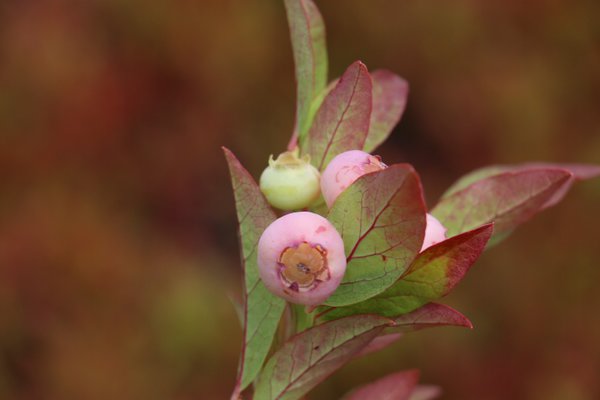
(339, 252)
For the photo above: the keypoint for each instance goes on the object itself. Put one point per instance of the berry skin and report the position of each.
(301, 258)
(344, 169)
(435, 232)
(290, 182)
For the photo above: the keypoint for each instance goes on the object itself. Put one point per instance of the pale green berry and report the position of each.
(290, 182)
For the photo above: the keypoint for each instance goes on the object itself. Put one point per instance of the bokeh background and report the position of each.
(118, 245)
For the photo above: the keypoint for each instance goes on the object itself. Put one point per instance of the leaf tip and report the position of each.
(228, 153)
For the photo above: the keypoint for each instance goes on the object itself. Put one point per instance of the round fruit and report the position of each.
(290, 182)
(301, 258)
(344, 169)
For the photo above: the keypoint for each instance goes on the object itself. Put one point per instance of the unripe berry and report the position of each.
(344, 169)
(301, 258)
(435, 232)
(290, 182)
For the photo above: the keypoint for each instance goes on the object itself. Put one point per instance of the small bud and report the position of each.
(435, 232)
(290, 182)
(301, 258)
(344, 169)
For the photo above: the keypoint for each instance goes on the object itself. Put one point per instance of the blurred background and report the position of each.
(118, 243)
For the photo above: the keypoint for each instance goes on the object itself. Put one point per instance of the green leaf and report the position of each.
(311, 356)
(307, 32)
(262, 310)
(396, 386)
(389, 101)
(342, 121)
(433, 274)
(507, 198)
(381, 218)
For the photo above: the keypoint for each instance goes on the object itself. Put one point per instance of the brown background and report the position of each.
(117, 228)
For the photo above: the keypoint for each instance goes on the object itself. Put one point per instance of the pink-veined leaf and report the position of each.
(389, 101)
(508, 199)
(433, 274)
(262, 310)
(395, 386)
(381, 218)
(342, 121)
(309, 357)
(307, 31)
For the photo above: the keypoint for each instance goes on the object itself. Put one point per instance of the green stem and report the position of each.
(302, 319)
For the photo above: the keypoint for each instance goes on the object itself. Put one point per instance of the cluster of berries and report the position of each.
(301, 255)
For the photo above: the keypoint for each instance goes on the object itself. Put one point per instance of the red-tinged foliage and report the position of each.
(579, 172)
(390, 93)
(342, 121)
(452, 256)
(432, 275)
(381, 218)
(307, 32)
(429, 316)
(116, 236)
(262, 310)
(379, 343)
(395, 386)
(311, 356)
(508, 199)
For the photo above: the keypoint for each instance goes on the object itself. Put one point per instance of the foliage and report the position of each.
(389, 286)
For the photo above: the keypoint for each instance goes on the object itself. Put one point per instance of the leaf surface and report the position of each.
(389, 101)
(507, 198)
(426, 392)
(342, 121)
(429, 316)
(395, 386)
(432, 275)
(307, 31)
(311, 356)
(262, 310)
(379, 343)
(381, 218)
(580, 172)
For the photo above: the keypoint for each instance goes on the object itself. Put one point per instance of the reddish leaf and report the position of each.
(429, 316)
(311, 356)
(389, 101)
(580, 172)
(426, 392)
(440, 267)
(379, 343)
(508, 199)
(432, 275)
(396, 386)
(307, 32)
(342, 121)
(381, 218)
(262, 310)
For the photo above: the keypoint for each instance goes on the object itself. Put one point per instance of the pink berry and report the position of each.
(301, 258)
(434, 232)
(344, 169)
